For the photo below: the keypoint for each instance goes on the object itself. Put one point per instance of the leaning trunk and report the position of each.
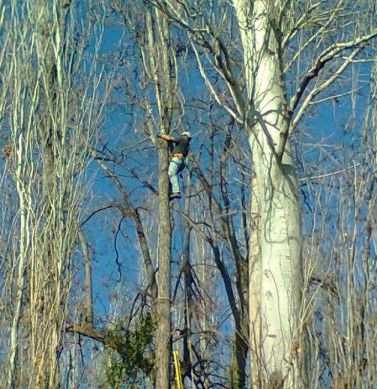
(275, 277)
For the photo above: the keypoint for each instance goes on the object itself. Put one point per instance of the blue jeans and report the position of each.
(175, 167)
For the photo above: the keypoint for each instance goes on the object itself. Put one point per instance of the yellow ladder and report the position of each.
(178, 372)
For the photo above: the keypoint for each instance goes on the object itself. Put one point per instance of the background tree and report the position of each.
(51, 124)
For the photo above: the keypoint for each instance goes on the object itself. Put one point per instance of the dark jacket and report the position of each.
(181, 145)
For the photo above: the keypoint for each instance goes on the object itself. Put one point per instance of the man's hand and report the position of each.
(168, 138)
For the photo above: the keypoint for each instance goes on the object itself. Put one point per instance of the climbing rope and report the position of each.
(178, 371)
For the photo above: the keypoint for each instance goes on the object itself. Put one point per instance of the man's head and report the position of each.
(187, 134)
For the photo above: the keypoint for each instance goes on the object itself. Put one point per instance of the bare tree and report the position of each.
(51, 127)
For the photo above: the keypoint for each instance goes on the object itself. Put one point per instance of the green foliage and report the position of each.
(133, 359)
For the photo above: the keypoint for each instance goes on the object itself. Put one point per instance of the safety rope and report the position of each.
(178, 372)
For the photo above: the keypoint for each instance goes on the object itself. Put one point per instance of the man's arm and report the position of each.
(168, 138)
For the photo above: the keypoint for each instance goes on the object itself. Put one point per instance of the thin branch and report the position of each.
(119, 266)
(88, 331)
(95, 213)
(325, 175)
(335, 97)
(211, 87)
(300, 23)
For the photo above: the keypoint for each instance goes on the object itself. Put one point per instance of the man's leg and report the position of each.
(174, 168)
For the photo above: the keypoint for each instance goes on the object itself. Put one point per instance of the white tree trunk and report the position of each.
(275, 276)
(23, 192)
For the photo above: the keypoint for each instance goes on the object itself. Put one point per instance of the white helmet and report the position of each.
(187, 133)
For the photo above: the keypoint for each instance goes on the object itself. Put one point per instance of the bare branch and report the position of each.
(314, 92)
(318, 33)
(327, 55)
(299, 24)
(211, 87)
(88, 331)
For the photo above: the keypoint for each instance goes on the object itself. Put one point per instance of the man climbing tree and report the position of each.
(177, 162)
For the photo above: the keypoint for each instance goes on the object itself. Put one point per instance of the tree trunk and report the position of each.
(88, 286)
(163, 339)
(275, 277)
(23, 192)
(239, 360)
(158, 67)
